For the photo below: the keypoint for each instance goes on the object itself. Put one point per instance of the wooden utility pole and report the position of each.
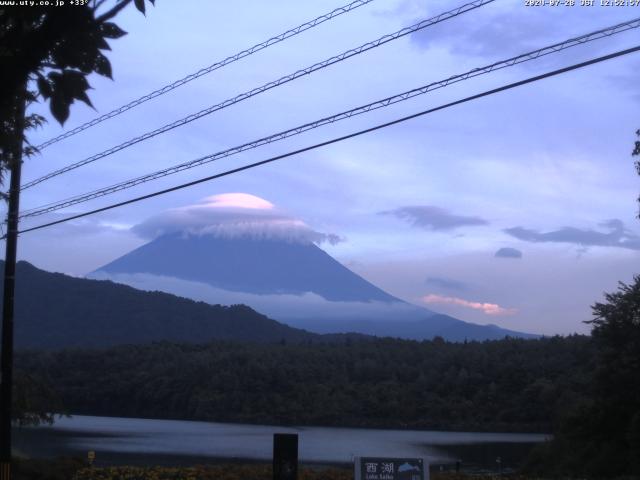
(6, 384)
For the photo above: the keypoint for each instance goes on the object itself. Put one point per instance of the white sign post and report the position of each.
(382, 468)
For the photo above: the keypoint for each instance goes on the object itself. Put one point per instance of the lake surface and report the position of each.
(140, 441)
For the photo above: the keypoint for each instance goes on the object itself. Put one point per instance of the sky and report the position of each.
(518, 209)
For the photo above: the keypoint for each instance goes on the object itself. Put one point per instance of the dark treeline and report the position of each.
(505, 385)
(600, 436)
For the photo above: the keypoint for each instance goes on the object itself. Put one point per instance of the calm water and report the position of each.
(130, 440)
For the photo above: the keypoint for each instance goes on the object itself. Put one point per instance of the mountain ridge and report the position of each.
(296, 283)
(54, 311)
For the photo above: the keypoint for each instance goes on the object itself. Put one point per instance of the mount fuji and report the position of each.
(291, 280)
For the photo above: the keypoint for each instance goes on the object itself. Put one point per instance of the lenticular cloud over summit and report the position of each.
(232, 215)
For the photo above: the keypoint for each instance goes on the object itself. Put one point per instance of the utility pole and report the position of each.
(6, 384)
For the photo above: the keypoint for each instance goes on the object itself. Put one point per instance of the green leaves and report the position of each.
(34, 399)
(44, 87)
(76, 53)
(34, 121)
(111, 30)
(64, 89)
(59, 109)
(606, 424)
(64, 47)
(102, 66)
(139, 5)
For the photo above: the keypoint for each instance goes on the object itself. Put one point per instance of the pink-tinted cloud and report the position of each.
(232, 215)
(235, 200)
(486, 308)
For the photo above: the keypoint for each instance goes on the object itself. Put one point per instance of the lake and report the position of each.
(174, 442)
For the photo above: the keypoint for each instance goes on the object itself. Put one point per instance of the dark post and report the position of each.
(6, 384)
(285, 456)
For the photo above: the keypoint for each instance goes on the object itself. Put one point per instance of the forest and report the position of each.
(583, 389)
(507, 385)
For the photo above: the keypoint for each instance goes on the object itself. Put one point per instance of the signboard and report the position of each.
(285, 456)
(380, 468)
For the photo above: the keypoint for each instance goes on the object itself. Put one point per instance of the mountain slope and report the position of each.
(54, 311)
(247, 265)
(296, 283)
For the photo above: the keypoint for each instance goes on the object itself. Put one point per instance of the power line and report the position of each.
(342, 138)
(267, 86)
(204, 71)
(602, 33)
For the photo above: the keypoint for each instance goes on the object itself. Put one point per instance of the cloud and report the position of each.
(473, 38)
(85, 226)
(486, 308)
(617, 236)
(446, 283)
(433, 218)
(508, 252)
(232, 215)
(504, 29)
(627, 81)
(283, 307)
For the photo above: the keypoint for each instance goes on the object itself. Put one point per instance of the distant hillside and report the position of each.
(55, 310)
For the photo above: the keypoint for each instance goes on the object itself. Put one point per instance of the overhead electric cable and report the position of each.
(340, 139)
(267, 86)
(206, 70)
(605, 32)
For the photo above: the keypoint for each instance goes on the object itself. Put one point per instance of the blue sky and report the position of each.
(422, 207)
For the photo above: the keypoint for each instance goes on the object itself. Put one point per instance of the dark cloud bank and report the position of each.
(508, 252)
(434, 218)
(617, 236)
(446, 283)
